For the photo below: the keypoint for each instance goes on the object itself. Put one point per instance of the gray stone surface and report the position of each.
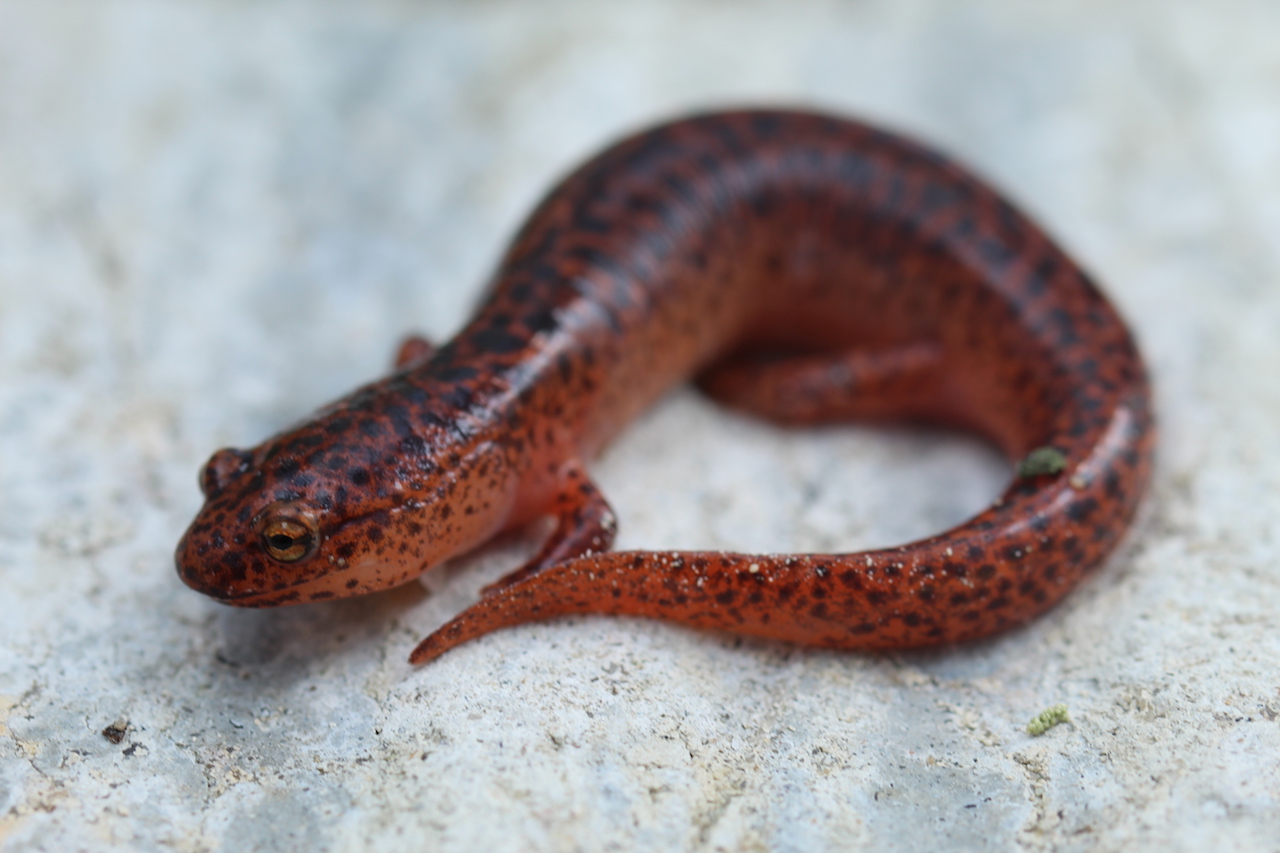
(214, 216)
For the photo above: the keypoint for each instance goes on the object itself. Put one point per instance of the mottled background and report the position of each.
(216, 215)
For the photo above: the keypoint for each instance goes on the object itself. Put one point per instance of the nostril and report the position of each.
(226, 464)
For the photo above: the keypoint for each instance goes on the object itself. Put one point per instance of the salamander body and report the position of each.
(800, 267)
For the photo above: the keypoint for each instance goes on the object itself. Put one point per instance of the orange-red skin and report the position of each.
(802, 267)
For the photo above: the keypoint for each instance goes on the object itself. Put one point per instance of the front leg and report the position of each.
(413, 350)
(585, 525)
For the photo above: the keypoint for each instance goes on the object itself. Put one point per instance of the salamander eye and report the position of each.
(290, 538)
(227, 464)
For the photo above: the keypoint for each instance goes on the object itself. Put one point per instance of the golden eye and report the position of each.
(289, 539)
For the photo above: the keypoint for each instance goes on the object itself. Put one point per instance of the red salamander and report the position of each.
(800, 267)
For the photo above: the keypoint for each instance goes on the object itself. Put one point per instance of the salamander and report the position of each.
(800, 267)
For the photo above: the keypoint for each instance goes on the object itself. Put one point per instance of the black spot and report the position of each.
(497, 341)
(416, 445)
(1112, 482)
(766, 125)
(994, 252)
(1080, 510)
(458, 398)
(542, 320)
(287, 468)
(234, 565)
(400, 420)
(457, 373)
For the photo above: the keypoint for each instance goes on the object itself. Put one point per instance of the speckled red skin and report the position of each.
(803, 267)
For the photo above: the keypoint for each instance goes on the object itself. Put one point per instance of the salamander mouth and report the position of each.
(297, 594)
(276, 598)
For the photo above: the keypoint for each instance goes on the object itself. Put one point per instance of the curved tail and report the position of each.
(1008, 564)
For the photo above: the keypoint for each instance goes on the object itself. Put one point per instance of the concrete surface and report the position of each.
(215, 216)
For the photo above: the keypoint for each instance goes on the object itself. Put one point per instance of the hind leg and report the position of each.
(900, 383)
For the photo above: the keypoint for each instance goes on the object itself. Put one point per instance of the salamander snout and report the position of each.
(259, 562)
(223, 467)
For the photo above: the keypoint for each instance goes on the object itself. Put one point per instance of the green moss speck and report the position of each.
(1043, 460)
(1047, 719)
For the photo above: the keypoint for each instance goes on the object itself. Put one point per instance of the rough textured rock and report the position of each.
(214, 216)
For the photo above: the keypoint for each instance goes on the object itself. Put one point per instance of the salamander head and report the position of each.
(259, 541)
(343, 505)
